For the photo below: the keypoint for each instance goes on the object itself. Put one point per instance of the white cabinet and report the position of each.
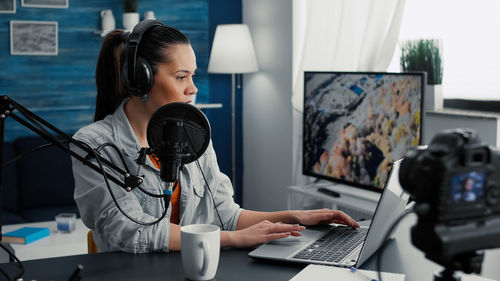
(359, 204)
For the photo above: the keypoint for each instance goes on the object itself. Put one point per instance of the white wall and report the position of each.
(267, 109)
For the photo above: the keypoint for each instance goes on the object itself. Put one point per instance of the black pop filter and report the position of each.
(177, 133)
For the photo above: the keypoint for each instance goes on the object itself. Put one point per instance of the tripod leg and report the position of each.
(446, 275)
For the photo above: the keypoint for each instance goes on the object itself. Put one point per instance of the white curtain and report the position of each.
(339, 35)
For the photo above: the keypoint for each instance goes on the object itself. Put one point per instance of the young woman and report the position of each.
(122, 120)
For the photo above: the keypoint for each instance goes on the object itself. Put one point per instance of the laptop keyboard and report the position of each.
(334, 245)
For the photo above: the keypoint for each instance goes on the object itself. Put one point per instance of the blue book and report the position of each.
(25, 235)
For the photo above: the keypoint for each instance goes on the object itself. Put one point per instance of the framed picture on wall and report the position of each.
(45, 3)
(33, 38)
(7, 6)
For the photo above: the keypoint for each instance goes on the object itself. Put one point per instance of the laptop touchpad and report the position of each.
(286, 246)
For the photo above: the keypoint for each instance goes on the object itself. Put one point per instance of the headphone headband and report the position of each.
(130, 50)
(132, 44)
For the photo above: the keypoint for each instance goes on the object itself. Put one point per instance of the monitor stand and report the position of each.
(356, 202)
(347, 190)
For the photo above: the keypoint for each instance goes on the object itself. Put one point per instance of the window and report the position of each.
(471, 43)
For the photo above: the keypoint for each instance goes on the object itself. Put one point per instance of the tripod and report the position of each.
(468, 263)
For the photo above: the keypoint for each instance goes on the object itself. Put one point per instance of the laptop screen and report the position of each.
(390, 206)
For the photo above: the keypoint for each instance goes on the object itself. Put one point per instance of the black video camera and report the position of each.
(455, 183)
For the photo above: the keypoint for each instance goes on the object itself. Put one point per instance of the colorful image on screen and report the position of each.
(357, 124)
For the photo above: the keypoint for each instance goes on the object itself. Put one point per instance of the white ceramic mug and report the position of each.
(200, 248)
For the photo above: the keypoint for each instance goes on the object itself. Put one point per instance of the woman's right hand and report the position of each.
(259, 233)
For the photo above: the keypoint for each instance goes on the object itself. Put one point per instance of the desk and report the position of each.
(400, 256)
(54, 245)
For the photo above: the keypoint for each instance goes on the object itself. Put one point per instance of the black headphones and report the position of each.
(136, 72)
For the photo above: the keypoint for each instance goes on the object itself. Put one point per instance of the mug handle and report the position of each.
(102, 13)
(206, 251)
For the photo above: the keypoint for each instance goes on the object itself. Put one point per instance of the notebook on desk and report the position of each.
(340, 245)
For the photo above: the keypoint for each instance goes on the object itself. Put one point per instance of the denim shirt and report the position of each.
(112, 231)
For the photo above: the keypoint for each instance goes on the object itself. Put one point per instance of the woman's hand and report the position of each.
(260, 233)
(325, 216)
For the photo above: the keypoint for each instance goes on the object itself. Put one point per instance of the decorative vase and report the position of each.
(433, 99)
(149, 15)
(107, 22)
(130, 20)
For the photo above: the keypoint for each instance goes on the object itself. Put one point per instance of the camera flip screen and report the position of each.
(467, 187)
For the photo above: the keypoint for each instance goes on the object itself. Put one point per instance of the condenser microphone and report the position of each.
(178, 134)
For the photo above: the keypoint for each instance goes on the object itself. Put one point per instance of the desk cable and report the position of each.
(12, 256)
(211, 194)
(204, 178)
(95, 152)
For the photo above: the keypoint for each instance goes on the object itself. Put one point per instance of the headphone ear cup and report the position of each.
(144, 78)
(124, 75)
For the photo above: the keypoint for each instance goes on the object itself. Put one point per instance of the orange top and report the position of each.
(174, 217)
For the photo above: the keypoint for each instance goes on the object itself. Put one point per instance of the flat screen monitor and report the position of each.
(356, 124)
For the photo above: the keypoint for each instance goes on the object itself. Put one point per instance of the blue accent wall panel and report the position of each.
(61, 89)
(226, 12)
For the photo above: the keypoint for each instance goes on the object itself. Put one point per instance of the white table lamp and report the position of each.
(232, 53)
(232, 50)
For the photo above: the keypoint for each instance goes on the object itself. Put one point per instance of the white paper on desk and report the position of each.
(472, 277)
(323, 272)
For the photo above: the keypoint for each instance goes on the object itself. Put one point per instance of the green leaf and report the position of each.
(423, 55)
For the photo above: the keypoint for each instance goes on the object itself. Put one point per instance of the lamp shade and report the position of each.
(232, 50)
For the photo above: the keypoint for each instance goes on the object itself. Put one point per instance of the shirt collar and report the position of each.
(123, 133)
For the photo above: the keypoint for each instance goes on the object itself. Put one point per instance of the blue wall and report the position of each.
(61, 89)
(226, 12)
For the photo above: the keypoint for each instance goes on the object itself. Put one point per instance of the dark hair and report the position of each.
(154, 48)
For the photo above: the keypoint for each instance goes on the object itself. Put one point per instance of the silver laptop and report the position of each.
(341, 245)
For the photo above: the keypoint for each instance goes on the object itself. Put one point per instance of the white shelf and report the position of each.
(358, 201)
(208, 105)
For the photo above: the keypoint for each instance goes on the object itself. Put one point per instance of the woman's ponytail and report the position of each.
(108, 76)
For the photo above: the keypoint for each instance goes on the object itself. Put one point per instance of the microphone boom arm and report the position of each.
(40, 126)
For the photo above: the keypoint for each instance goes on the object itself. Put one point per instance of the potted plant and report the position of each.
(130, 15)
(425, 55)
